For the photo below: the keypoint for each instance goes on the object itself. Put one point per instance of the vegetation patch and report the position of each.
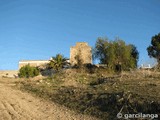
(102, 97)
(28, 71)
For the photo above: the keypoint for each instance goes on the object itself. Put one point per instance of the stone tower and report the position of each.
(83, 50)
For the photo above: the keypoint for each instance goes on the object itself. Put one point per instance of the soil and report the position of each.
(20, 105)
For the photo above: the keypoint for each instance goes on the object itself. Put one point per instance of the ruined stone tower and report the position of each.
(83, 50)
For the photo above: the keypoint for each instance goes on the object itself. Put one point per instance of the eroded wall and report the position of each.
(83, 50)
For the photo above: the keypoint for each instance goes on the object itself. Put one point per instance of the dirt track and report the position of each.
(17, 105)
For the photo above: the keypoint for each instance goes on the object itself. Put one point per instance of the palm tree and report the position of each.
(58, 62)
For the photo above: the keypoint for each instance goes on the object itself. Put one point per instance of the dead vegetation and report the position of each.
(101, 95)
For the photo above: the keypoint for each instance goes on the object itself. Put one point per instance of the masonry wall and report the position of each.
(34, 63)
(82, 49)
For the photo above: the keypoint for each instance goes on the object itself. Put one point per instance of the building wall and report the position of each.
(34, 63)
(82, 49)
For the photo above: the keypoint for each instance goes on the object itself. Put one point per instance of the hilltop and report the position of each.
(100, 94)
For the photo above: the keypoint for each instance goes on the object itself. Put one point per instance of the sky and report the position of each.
(40, 29)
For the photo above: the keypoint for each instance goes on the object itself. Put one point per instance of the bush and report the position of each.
(90, 68)
(28, 71)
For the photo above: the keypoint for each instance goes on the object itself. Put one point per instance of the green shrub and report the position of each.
(28, 71)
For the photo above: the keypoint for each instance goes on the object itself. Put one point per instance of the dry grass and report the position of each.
(101, 95)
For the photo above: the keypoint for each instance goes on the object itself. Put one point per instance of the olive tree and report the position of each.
(117, 55)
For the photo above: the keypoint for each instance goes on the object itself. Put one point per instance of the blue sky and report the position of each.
(39, 29)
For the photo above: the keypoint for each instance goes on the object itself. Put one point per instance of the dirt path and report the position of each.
(17, 105)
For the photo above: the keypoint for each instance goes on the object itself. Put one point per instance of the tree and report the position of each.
(58, 62)
(99, 50)
(134, 54)
(154, 48)
(28, 71)
(116, 54)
